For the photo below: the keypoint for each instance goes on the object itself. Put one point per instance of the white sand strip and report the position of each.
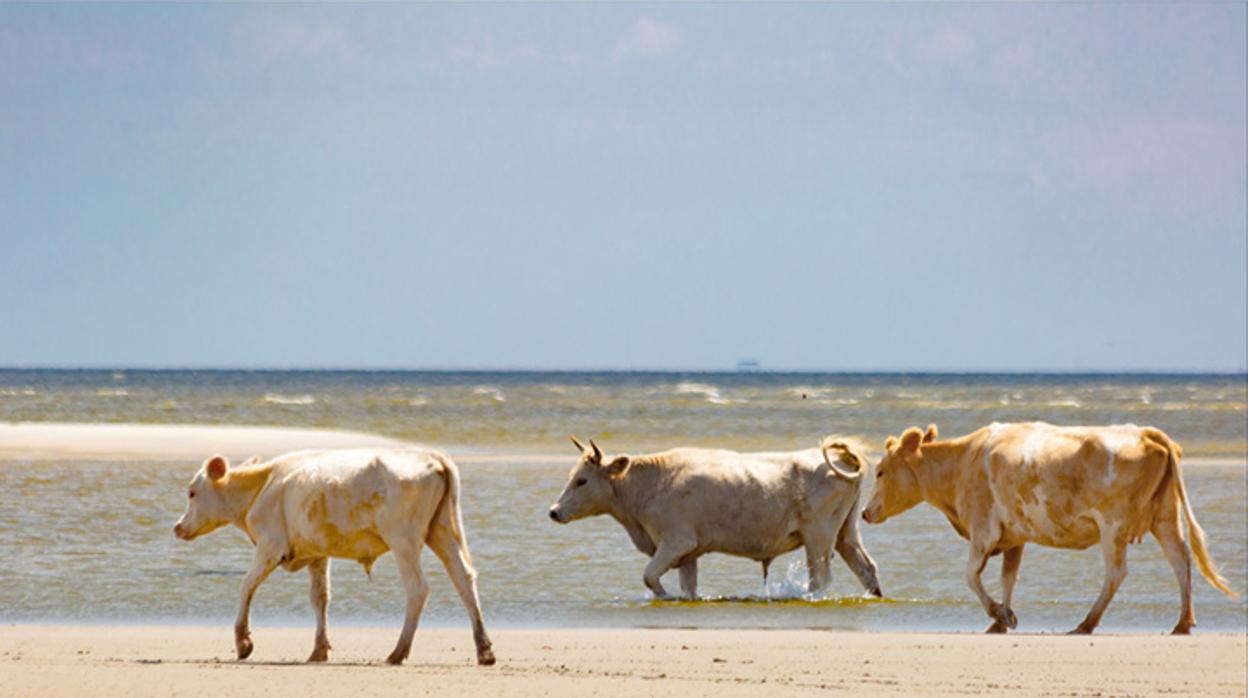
(46, 441)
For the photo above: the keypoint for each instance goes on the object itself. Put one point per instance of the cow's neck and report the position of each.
(632, 491)
(935, 474)
(241, 489)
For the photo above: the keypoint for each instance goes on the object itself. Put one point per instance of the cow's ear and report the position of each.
(911, 440)
(616, 467)
(890, 443)
(216, 467)
(931, 434)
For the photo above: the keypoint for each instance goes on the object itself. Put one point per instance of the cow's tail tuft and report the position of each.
(449, 503)
(1197, 534)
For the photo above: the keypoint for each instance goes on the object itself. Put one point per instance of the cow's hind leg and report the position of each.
(849, 545)
(1114, 549)
(454, 556)
(689, 578)
(1001, 614)
(1169, 533)
(1010, 561)
(318, 592)
(407, 554)
(262, 565)
(818, 564)
(671, 550)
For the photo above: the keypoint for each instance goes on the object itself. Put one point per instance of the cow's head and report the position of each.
(896, 487)
(589, 489)
(206, 507)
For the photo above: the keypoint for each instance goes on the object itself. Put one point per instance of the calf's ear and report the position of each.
(616, 467)
(216, 467)
(890, 443)
(930, 436)
(911, 440)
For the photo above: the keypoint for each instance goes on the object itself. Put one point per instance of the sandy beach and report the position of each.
(169, 661)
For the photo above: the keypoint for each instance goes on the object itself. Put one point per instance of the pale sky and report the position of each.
(828, 187)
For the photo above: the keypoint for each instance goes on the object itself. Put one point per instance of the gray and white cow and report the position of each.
(680, 504)
(302, 508)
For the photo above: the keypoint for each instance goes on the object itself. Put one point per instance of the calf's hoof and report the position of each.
(1083, 629)
(485, 657)
(1182, 629)
(396, 657)
(320, 654)
(997, 628)
(244, 648)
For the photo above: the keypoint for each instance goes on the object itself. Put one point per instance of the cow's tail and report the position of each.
(1197, 534)
(846, 454)
(449, 504)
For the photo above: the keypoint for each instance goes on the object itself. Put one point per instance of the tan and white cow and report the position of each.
(302, 508)
(1007, 485)
(680, 504)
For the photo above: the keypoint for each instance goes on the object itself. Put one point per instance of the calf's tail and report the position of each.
(1197, 534)
(449, 504)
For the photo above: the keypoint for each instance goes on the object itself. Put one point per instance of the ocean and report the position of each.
(91, 542)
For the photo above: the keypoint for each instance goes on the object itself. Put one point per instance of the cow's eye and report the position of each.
(879, 475)
(580, 482)
(190, 495)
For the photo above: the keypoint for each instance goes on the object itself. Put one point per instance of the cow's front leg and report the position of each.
(671, 549)
(689, 578)
(1000, 613)
(318, 592)
(262, 565)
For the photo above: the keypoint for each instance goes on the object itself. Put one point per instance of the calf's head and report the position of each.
(896, 486)
(589, 489)
(206, 506)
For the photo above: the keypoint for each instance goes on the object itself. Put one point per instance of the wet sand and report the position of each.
(186, 660)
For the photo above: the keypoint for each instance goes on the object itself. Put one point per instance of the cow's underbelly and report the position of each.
(1074, 533)
(754, 548)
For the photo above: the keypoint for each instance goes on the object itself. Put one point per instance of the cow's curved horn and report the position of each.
(848, 453)
(597, 451)
(576, 443)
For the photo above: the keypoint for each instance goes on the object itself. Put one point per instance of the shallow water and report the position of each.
(92, 542)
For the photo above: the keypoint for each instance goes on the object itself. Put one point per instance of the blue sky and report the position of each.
(840, 187)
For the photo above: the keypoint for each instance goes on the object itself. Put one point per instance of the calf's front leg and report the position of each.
(318, 592)
(262, 565)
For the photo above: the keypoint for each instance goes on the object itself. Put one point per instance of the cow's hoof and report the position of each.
(396, 657)
(320, 654)
(244, 647)
(997, 628)
(1004, 615)
(1083, 629)
(876, 592)
(485, 657)
(1182, 629)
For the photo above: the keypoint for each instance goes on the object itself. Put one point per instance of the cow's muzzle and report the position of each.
(180, 532)
(555, 515)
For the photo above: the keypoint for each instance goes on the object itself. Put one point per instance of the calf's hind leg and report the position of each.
(1169, 534)
(454, 556)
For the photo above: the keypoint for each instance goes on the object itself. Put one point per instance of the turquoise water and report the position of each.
(91, 541)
